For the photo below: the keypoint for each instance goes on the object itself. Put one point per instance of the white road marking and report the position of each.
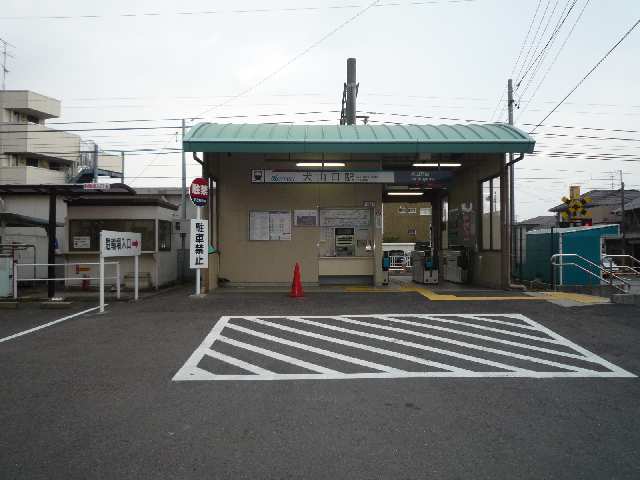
(435, 318)
(45, 325)
(276, 355)
(238, 363)
(445, 340)
(321, 351)
(192, 371)
(491, 339)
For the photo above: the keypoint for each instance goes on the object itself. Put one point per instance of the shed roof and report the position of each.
(602, 198)
(398, 139)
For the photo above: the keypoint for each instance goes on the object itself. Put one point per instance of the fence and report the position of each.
(65, 278)
(399, 263)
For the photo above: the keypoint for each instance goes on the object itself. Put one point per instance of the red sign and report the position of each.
(199, 191)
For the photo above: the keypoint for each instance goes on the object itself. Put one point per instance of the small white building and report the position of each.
(152, 217)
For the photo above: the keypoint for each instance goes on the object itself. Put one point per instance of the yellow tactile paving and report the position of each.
(438, 297)
(576, 297)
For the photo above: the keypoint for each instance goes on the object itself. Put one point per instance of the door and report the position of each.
(6, 277)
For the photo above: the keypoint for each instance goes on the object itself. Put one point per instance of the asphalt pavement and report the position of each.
(99, 396)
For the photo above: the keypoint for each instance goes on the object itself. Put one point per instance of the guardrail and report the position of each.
(611, 276)
(633, 269)
(65, 278)
(399, 263)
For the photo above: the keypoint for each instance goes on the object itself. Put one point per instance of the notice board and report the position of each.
(345, 217)
(270, 225)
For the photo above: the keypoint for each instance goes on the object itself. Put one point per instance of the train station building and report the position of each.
(314, 195)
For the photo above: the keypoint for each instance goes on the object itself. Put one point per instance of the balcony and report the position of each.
(30, 176)
(30, 103)
(39, 141)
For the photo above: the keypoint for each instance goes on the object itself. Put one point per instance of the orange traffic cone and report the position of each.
(296, 285)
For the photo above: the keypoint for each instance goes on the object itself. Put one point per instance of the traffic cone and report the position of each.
(296, 285)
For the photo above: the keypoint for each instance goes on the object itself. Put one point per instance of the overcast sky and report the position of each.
(165, 60)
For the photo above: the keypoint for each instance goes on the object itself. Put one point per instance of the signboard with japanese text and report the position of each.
(426, 178)
(120, 244)
(199, 191)
(80, 242)
(320, 176)
(199, 244)
(96, 186)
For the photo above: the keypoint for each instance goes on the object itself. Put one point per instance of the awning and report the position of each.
(17, 220)
(367, 139)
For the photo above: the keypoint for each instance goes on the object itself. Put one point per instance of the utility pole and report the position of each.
(622, 213)
(122, 165)
(352, 90)
(95, 162)
(511, 236)
(183, 234)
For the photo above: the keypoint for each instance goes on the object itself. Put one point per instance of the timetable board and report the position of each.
(270, 225)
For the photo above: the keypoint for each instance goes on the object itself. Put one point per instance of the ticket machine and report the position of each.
(345, 242)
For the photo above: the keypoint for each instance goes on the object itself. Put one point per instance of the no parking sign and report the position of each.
(199, 191)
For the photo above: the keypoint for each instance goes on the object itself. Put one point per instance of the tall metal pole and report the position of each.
(182, 257)
(512, 213)
(206, 246)
(622, 213)
(51, 251)
(122, 165)
(95, 162)
(351, 91)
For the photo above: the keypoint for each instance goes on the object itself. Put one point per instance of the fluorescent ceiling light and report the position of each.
(406, 193)
(437, 164)
(320, 164)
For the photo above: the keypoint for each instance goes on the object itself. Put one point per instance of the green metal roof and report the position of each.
(400, 139)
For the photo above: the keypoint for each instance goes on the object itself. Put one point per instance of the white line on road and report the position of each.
(321, 351)
(278, 356)
(40, 327)
(192, 370)
(386, 339)
(238, 363)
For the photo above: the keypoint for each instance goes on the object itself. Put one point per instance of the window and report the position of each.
(91, 229)
(32, 162)
(164, 235)
(490, 191)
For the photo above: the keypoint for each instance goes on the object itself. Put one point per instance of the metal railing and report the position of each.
(622, 285)
(65, 278)
(622, 269)
(399, 263)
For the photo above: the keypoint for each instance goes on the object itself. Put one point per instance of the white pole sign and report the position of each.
(199, 244)
(119, 244)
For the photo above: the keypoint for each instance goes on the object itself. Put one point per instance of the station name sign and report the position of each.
(438, 178)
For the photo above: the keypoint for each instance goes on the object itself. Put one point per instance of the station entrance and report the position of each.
(314, 195)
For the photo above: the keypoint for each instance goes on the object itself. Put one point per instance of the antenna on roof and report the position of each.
(4, 45)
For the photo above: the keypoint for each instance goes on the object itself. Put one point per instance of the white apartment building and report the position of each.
(30, 151)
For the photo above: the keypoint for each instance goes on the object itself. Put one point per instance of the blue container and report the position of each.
(587, 242)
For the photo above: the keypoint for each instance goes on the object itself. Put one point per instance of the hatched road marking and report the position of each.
(388, 346)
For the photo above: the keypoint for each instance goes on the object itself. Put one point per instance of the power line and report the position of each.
(535, 64)
(295, 57)
(234, 11)
(588, 74)
(555, 59)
